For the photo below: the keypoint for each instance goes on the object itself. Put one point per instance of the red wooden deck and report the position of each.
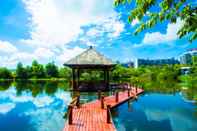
(90, 116)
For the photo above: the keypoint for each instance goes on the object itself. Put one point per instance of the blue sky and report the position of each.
(57, 30)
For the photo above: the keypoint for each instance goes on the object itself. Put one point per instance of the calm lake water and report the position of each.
(40, 106)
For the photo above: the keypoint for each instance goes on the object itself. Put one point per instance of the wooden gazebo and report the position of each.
(90, 59)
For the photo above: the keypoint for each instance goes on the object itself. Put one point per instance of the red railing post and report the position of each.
(108, 114)
(102, 102)
(136, 89)
(117, 96)
(128, 93)
(70, 115)
(78, 102)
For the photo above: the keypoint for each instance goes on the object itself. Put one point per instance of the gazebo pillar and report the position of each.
(107, 79)
(74, 79)
(78, 78)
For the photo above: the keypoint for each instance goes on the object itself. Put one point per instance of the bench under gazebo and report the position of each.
(90, 59)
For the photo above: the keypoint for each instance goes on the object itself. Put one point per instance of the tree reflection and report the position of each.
(50, 87)
(5, 85)
(38, 87)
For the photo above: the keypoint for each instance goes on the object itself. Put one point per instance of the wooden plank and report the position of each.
(90, 116)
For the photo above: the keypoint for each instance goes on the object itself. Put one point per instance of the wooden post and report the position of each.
(99, 94)
(108, 114)
(102, 102)
(117, 96)
(136, 89)
(78, 102)
(70, 115)
(128, 93)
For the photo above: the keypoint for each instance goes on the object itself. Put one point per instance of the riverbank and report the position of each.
(35, 79)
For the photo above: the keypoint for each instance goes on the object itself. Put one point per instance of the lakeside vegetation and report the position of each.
(141, 76)
(36, 72)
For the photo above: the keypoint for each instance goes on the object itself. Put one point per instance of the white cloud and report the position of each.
(27, 57)
(49, 119)
(93, 32)
(111, 27)
(43, 53)
(157, 37)
(135, 22)
(7, 107)
(10, 94)
(64, 96)
(69, 53)
(7, 47)
(42, 101)
(118, 27)
(57, 22)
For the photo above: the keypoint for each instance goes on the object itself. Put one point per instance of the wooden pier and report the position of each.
(96, 115)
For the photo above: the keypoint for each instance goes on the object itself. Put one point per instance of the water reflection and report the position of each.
(5, 85)
(157, 112)
(38, 87)
(33, 105)
(40, 106)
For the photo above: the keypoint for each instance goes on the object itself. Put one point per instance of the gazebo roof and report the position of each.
(89, 58)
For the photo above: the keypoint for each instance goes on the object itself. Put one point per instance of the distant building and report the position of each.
(185, 70)
(145, 62)
(128, 64)
(186, 57)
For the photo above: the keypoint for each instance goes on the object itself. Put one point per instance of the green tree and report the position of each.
(51, 70)
(5, 73)
(194, 60)
(37, 70)
(21, 71)
(29, 71)
(168, 10)
(65, 72)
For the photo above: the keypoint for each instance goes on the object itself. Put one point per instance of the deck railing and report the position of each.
(76, 103)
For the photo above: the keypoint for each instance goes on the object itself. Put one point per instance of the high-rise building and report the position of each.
(145, 62)
(186, 57)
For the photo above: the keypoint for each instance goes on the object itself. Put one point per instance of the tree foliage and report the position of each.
(51, 70)
(170, 10)
(37, 70)
(5, 73)
(65, 72)
(21, 72)
(149, 74)
(194, 60)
